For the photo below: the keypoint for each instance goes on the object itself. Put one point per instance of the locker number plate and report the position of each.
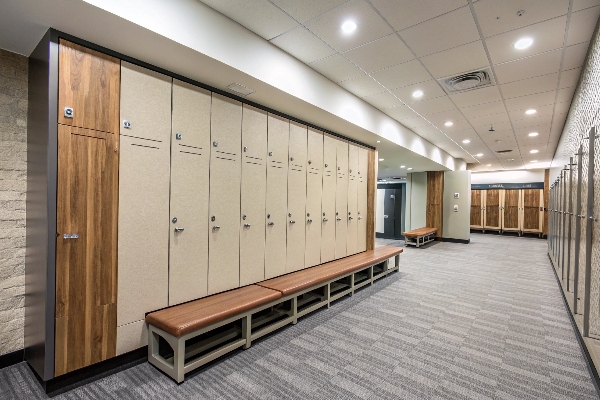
(70, 236)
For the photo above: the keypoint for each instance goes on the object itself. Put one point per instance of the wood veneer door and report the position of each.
(511, 212)
(144, 175)
(341, 200)
(351, 216)
(278, 136)
(533, 200)
(435, 201)
(476, 209)
(328, 202)
(224, 203)
(86, 248)
(296, 221)
(492, 209)
(190, 155)
(89, 85)
(253, 195)
(363, 172)
(314, 189)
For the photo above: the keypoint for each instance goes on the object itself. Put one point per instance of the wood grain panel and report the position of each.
(546, 200)
(89, 83)
(476, 209)
(314, 190)
(362, 218)
(278, 137)
(492, 219)
(296, 221)
(352, 216)
(512, 203)
(328, 200)
(253, 195)
(86, 266)
(341, 200)
(371, 198)
(190, 151)
(532, 214)
(224, 195)
(435, 195)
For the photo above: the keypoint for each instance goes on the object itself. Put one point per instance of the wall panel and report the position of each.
(363, 171)
(476, 209)
(435, 195)
(314, 189)
(328, 202)
(341, 200)
(510, 211)
(492, 216)
(296, 224)
(351, 216)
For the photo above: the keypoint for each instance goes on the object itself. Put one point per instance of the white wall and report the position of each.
(379, 211)
(456, 224)
(521, 176)
(418, 201)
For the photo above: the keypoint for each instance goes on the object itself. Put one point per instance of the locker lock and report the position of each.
(289, 214)
(350, 171)
(244, 217)
(291, 158)
(126, 124)
(326, 165)
(308, 214)
(245, 149)
(270, 154)
(309, 162)
(268, 216)
(213, 218)
(215, 144)
(68, 112)
(174, 219)
(323, 214)
(339, 168)
(178, 136)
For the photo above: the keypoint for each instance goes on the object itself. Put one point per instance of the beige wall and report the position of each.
(418, 200)
(456, 224)
(13, 169)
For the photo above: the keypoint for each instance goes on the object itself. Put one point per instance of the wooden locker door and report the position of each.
(296, 221)
(492, 209)
(314, 189)
(363, 172)
(144, 174)
(253, 195)
(341, 200)
(510, 217)
(278, 136)
(86, 248)
(328, 202)
(190, 151)
(532, 210)
(476, 209)
(351, 216)
(89, 85)
(224, 203)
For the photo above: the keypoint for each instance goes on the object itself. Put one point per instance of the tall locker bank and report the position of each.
(296, 224)
(314, 189)
(361, 218)
(224, 203)
(341, 200)
(328, 203)
(351, 216)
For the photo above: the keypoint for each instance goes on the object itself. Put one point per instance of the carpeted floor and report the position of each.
(477, 321)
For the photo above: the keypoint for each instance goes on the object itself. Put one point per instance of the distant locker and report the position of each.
(328, 202)
(341, 201)
(314, 189)
(296, 224)
(351, 217)
(363, 172)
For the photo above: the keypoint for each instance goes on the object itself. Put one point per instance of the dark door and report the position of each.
(389, 212)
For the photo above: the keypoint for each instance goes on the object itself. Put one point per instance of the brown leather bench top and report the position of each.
(188, 317)
(419, 232)
(297, 281)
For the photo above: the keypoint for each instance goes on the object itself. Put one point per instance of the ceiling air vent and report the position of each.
(240, 89)
(469, 81)
(503, 151)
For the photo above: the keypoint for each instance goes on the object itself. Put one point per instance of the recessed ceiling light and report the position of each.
(348, 26)
(466, 141)
(533, 161)
(381, 159)
(533, 134)
(530, 111)
(449, 123)
(403, 166)
(408, 169)
(488, 165)
(523, 43)
(379, 141)
(478, 154)
(533, 151)
(417, 93)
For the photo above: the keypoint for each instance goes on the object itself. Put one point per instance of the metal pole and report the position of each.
(588, 235)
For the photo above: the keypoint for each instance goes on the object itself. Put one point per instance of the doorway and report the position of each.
(391, 200)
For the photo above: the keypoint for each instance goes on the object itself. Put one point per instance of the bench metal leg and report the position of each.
(247, 330)
(175, 369)
(294, 310)
(328, 294)
(397, 261)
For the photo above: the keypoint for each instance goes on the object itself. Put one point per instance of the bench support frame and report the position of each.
(419, 240)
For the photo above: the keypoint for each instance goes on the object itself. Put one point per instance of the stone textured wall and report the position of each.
(13, 171)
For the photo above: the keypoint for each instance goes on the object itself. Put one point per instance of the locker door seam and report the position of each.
(170, 202)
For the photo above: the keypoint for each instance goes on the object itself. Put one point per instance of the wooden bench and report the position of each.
(419, 237)
(221, 323)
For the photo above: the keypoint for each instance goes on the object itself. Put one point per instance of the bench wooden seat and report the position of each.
(419, 236)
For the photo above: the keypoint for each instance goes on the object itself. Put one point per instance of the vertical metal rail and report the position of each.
(577, 231)
(569, 215)
(588, 235)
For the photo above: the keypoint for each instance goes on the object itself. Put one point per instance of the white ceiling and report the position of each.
(401, 46)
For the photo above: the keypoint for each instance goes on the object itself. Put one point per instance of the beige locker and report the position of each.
(224, 203)
(190, 151)
(296, 221)
(254, 188)
(341, 200)
(361, 219)
(351, 217)
(144, 173)
(314, 188)
(328, 199)
(278, 135)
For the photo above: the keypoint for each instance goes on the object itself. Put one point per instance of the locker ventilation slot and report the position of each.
(148, 147)
(227, 159)
(189, 152)
(193, 147)
(240, 89)
(141, 138)
(223, 152)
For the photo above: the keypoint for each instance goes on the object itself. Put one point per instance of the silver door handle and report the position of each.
(247, 225)
(216, 227)
(310, 220)
(178, 229)
(271, 223)
(338, 219)
(292, 222)
(349, 218)
(325, 220)
(359, 217)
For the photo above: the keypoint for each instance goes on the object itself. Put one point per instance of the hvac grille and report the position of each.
(469, 81)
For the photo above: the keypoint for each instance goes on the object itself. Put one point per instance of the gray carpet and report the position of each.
(477, 321)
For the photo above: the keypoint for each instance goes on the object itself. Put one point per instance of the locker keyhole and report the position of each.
(213, 218)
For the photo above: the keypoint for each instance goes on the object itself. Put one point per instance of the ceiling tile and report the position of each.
(402, 75)
(401, 112)
(413, 123)
(531, 122)
(382, 100)
(453, 115)
(531, 101)
(548, 35)
(437, 105)
(457, 60)
(575, 55)
(260, 16)
(501, 16)
(583, 4)
(541, 111)
(380, 54)
(562, 108)
(582, 25)
(479, 110)
(565, 95)
(303, 45)
(529, 67)
(362, 86)
(482, 123)
(428, 131)
(404, 13)
(541, 129)
(569, 78)
(478, 96)
(431, 89)
(524, 87)
(442, 33)
(369, 26)
(336, 68)
(306, 10)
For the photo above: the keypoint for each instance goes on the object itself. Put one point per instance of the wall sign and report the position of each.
(486, 186)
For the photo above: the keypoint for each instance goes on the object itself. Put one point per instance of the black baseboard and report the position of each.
(83, 376)
(452, 240)
(12, 358)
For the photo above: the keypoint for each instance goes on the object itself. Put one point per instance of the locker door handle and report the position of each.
(247, 225)
(325, 220)
(292, 222)
(178, 229)
(310, 220)
(359, 217)
(338, 219)
(271, 223)
(349, 218)
(216, 227)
